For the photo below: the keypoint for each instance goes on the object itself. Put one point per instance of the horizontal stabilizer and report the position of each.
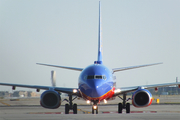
(133, 67)
(70, 68)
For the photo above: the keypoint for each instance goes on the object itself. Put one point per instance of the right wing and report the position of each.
(124, 90)
(70, 68)
(59, 89)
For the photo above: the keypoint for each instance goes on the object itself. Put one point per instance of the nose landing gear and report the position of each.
(95, 107)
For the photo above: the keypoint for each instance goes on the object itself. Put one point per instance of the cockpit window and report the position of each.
(90, 77)
(96, 77)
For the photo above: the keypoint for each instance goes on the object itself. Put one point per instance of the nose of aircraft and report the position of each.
(94, 84)
(95, 89)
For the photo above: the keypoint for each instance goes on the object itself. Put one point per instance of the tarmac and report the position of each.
(29, 109)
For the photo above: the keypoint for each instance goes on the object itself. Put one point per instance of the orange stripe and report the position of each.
(95, 98)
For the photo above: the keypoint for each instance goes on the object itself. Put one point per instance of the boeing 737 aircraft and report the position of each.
(96, 84)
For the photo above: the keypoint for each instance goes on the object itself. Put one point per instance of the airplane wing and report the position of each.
(124, 90)
(59, 89)
(133, 67)
(70, 68)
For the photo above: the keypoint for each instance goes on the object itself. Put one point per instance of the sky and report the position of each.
(65, 32)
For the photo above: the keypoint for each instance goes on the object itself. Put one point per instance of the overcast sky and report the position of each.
(65, 32)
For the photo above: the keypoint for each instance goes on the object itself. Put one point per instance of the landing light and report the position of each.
(105, 101)
(74, 90)
(87, 101)
(117, 90)
(95, 107)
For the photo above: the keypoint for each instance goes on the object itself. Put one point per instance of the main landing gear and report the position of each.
(124, 105)
(70, 106)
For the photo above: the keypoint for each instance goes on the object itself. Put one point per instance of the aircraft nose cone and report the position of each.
(94, 84)
(94, 88)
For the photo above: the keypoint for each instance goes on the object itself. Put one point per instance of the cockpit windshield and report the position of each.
(96, 77)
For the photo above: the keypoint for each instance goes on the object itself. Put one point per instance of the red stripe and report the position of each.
(107, 95)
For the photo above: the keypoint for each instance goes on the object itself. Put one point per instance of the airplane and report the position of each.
(97, 83)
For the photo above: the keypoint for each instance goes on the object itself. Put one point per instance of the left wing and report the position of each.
(73, 91)
(124, 90)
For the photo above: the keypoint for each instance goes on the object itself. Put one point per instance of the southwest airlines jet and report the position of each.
(96, 84)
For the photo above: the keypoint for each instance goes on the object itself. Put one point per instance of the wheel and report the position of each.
(67, 109)
(128, 108)
(92, 110)
(97, 110)
(75, 109)
(120, 108)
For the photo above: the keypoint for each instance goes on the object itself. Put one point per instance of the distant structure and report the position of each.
(166, 91)
(4, 94)
(25, 94)
(18, 94)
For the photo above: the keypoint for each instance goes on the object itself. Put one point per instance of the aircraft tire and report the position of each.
(128, 108)
(97, 110)
(120, 108)
(75, 108)
(67, 109)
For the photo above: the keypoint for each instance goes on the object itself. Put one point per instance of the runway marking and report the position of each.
(84, 112)
(107, 112)
(4, 103)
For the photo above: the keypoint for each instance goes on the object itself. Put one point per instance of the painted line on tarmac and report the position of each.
(5, 103)
(107, 112)
(84, 112)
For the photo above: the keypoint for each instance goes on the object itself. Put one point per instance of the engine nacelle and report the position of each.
(141, 98)
(50, 99)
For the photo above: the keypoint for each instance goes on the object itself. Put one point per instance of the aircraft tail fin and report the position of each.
(100, 36)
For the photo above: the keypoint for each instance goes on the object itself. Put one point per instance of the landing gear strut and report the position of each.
(124, 105)
(95, 107)
(70, 106)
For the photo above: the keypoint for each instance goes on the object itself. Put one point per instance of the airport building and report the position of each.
(18, 94)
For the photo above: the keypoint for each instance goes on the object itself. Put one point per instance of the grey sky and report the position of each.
(65, 32)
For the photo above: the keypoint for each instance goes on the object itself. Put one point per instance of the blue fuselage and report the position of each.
(96, 82)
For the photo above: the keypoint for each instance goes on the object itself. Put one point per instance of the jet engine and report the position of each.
(141, 98)
(50, 99)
